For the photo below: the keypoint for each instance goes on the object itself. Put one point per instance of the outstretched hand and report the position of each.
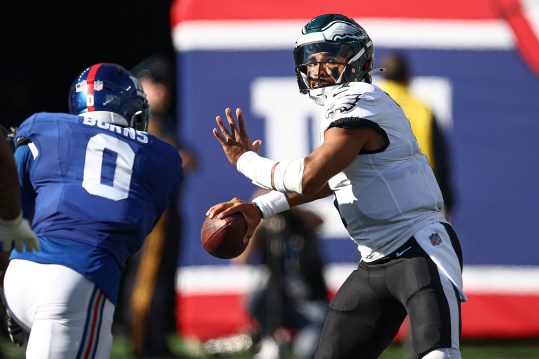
(248, 209)
(236, 141)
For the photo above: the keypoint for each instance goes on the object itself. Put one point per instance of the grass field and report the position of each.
(525, 349)
(528, 349)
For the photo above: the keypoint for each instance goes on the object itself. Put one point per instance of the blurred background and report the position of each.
(474, 64)
(45, 46)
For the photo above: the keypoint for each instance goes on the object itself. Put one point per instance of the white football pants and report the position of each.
(66, 314)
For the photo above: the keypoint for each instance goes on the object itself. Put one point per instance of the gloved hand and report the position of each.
(18, 231)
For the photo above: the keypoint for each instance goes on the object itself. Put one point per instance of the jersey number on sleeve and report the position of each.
(94, 162)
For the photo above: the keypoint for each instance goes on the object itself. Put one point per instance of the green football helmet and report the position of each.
(332, 49)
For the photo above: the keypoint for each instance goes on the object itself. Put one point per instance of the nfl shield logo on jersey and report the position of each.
(435, 239)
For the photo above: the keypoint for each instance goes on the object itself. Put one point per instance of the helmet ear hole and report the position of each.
(141, 119)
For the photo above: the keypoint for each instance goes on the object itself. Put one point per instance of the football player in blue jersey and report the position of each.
(94, 183)
(385, 192)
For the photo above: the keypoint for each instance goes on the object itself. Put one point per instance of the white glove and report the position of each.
(18, 231)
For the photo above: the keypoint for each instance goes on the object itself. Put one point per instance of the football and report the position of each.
(223, 238)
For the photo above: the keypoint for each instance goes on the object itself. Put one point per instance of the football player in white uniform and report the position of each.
(387, 196)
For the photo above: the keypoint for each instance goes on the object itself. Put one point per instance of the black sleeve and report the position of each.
(442, 163)
(354, 122)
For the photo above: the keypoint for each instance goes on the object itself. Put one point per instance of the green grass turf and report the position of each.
(523, 349)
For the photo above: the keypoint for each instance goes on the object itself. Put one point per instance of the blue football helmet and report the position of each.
(110, 93)
(332, 49)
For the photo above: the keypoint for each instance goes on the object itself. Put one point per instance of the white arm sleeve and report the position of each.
(256, 168)
(288, 176)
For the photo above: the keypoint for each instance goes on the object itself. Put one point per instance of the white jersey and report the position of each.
(384, 198)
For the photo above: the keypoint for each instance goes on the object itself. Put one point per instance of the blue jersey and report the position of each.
(94, 191)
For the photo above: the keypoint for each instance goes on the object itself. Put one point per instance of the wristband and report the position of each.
(271, 203)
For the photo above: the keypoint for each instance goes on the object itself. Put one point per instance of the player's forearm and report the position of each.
(10, 206)
(275, 202)
(296, 199)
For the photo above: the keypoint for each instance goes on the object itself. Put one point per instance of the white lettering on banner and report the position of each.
(288, 116)
(291, 128)
(438, 93)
